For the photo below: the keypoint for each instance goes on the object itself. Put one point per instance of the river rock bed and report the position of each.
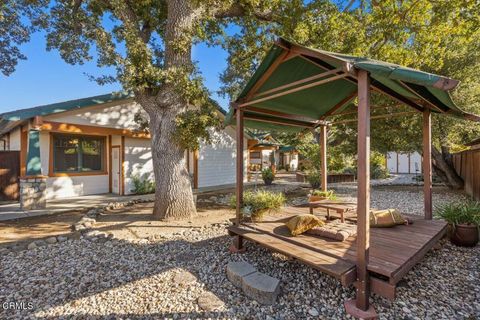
(182, 275)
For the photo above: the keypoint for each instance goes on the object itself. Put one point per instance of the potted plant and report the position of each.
(257, 203)
(268, 176)
(464, 219)
(317, 195)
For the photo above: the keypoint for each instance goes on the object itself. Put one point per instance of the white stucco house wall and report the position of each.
(93, 146)
(398, 162)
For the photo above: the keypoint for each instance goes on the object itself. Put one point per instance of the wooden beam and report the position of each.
(285, 123)
(323, 155)
(238, 243)
(23, 151)
(382, 288)
(298, 82)
(363, 201)
(340, 104)
(267, 74)
(372, 108)
(407, 87)
(293, 90)
(37, 122)
(427, 163)
(280, 114)
(89, 130)
(380, 116)
(377, 87)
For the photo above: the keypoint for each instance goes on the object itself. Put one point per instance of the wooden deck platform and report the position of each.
(393, 251)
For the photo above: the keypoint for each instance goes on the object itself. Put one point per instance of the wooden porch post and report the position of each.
(238, 242)
(427, 163)
(323, 155)
(363, 201)
(360, 307)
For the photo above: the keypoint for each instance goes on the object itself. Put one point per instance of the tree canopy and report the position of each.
(148, 43)
(441, 37)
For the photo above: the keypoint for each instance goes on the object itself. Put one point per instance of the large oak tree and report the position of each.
(149, 44)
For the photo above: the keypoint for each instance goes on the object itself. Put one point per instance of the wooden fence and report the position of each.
(467, 165)
(9, 172)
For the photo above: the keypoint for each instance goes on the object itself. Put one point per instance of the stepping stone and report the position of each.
(51, 240)
(210, 302)
(261, 287)
(31, 246)
(184, 278)
(237, 270)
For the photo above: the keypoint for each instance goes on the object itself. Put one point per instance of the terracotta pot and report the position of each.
(316, 198)
(465, 235)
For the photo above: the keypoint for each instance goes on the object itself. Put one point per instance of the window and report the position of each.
(78, 153)
(255, 155)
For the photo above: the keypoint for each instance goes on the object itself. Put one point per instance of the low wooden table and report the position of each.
(338, 206)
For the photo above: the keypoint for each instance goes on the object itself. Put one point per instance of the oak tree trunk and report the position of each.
(173, 190)
(443, 166)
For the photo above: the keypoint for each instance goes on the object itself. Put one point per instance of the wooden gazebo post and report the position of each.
(323, 155)
(427, 163)
(238, 241)
(360, 307)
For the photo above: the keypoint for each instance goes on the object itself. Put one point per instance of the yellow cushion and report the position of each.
(303, 222)
(386, 218)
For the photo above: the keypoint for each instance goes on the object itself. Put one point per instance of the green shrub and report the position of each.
(142, 185)
(314, 178)
(350, 170)
(460, 212)
(268, 176)
(329, 194)
(378, 170)
(256, 203)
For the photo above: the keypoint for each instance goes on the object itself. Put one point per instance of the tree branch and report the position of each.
(349, 5)
(238, 10)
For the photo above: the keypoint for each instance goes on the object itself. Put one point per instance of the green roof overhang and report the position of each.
(296, 87)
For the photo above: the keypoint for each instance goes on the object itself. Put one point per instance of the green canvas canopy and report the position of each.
(296, 87)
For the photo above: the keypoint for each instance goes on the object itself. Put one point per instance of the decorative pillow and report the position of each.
(335, 230)
(386, 218)
(303, 222)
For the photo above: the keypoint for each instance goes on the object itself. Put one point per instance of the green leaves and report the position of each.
(18, 20)
(194, 126)
(460, 212)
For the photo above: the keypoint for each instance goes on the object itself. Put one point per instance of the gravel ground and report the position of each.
(148, 278)
(408, 199)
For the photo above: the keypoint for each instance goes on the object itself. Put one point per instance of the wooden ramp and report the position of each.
(393, 251)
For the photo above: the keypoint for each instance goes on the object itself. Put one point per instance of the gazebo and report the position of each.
(297, 88)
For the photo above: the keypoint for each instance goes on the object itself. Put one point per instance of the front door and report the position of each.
(116, 170)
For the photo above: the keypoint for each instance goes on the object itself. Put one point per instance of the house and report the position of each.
(398, 162)
(266, 152)
(93, 146)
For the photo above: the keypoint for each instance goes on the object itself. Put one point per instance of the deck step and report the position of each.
(338, 268)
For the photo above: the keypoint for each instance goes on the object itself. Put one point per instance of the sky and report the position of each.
(45, 78)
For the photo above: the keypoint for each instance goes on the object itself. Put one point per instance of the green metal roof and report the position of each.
(286, 148)
(289, 66)
(9, 120)
(63, 106)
